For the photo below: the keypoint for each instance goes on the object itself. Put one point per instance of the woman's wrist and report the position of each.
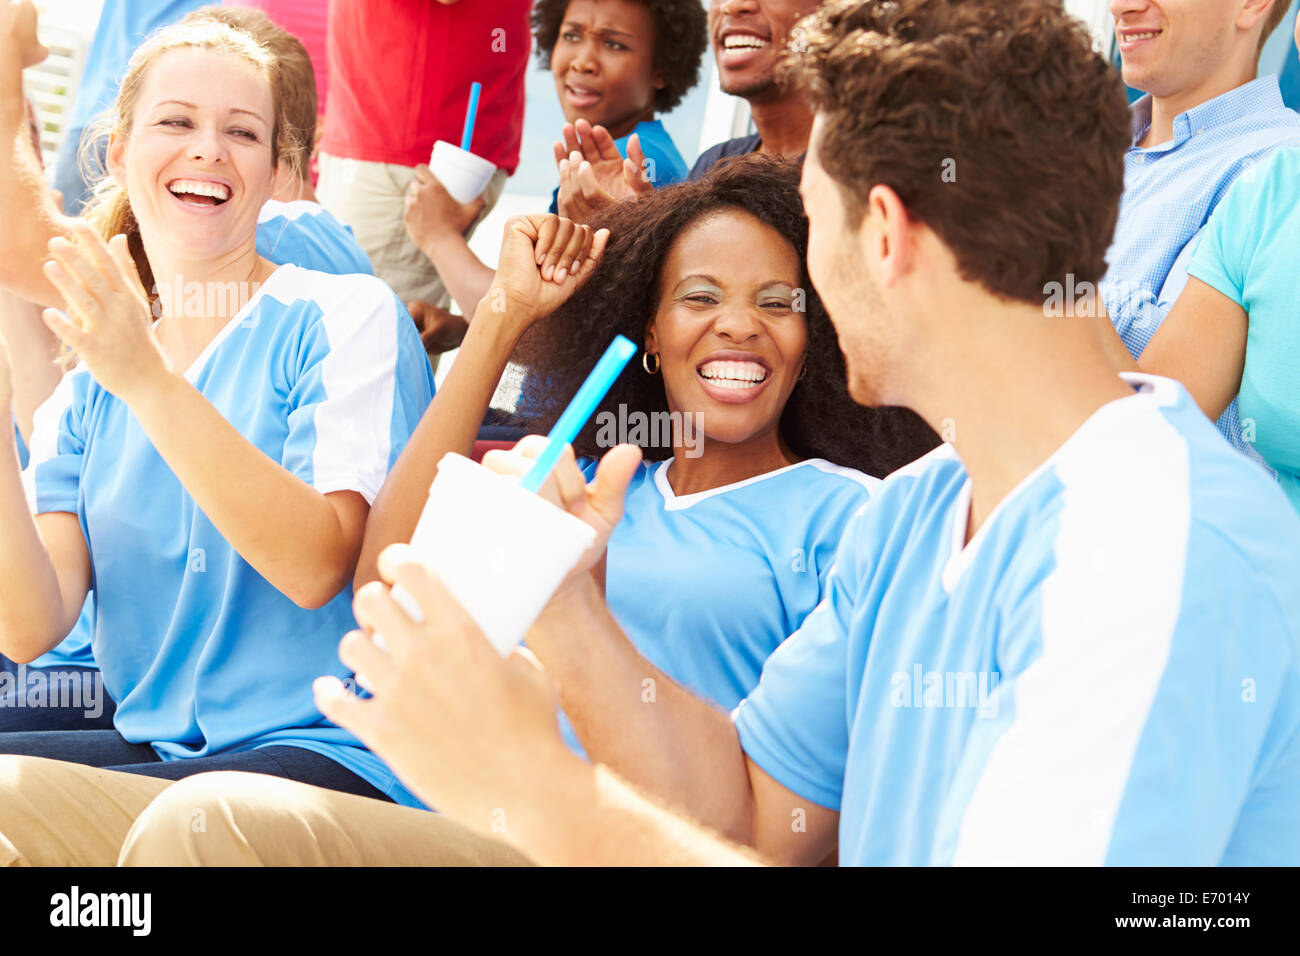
(154, 392)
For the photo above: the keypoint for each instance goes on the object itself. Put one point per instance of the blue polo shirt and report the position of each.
(1107, 673)
(1248, 253)
(1170, 191)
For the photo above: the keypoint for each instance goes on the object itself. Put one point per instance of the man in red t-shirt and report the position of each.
(400, 75)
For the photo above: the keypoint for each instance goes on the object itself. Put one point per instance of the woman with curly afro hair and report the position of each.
(754, 455)
(616, 64)
(630, 291)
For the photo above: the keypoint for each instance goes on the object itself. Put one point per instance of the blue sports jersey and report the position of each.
(306, 234)
(1109, 672)
(299, 233)
(327, 376)
(707, 585)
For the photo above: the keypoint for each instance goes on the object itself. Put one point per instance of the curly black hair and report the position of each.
(820, 419)
(681, 37)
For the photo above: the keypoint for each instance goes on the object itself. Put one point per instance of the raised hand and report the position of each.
(544, 260)
(593, 174)
(470, 732)
(18, 29)
(111, 324)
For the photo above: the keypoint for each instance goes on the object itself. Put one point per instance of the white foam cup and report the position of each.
(463, 174)
(501, 551)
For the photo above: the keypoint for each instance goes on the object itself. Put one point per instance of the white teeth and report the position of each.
(1141, 36)
(738, 41)
(733, 374)
(193, 187)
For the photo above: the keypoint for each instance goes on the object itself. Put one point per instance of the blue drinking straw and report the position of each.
(582, 407)
(471, 115)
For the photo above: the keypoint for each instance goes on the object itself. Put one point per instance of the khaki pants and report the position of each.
(371, 198)
(54, 813)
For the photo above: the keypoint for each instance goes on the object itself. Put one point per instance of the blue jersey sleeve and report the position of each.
(361, 387)
(795, 724)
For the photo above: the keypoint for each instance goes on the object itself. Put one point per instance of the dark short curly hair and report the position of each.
(995, 121)
(681, 37)
(820, 420)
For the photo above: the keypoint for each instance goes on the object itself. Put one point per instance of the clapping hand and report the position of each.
(593, 174)
(110, 323)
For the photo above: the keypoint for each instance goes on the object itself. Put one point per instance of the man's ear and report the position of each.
(888, 231)
(115, 158)
(1253, 11)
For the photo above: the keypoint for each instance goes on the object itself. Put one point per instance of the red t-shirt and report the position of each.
(400, 74)
(305, 19)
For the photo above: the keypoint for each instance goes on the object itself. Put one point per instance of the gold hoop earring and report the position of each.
(645, 362)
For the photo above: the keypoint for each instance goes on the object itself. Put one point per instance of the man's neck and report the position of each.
(784, 122)
(1165, 109)
(1008, 389)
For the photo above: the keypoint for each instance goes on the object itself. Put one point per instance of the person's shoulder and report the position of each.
(658, 146)
(292, 210)
(925, 485)
(1151, 471)
(825, 478)
(326, 295)
(739, 146)
(301, 214)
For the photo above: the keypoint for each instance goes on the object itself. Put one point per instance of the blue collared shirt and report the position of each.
(1169, 192)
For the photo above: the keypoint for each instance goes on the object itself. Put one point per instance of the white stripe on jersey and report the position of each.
(1051, 788)
(44, 443)
(359, 314)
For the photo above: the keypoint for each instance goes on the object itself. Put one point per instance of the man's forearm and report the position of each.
(464, 275)
(632, 717)
(33, 356)
(31, 218)
(583, 815)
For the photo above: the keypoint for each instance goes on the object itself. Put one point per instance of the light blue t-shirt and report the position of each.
(664, 164)
(327, 376)
(299, 233)
(1109, 672)
(707, 585)
(1248, 252)
(1170, 191)
(306, 234)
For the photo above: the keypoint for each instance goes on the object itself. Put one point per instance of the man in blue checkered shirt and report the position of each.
(1206, 119)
